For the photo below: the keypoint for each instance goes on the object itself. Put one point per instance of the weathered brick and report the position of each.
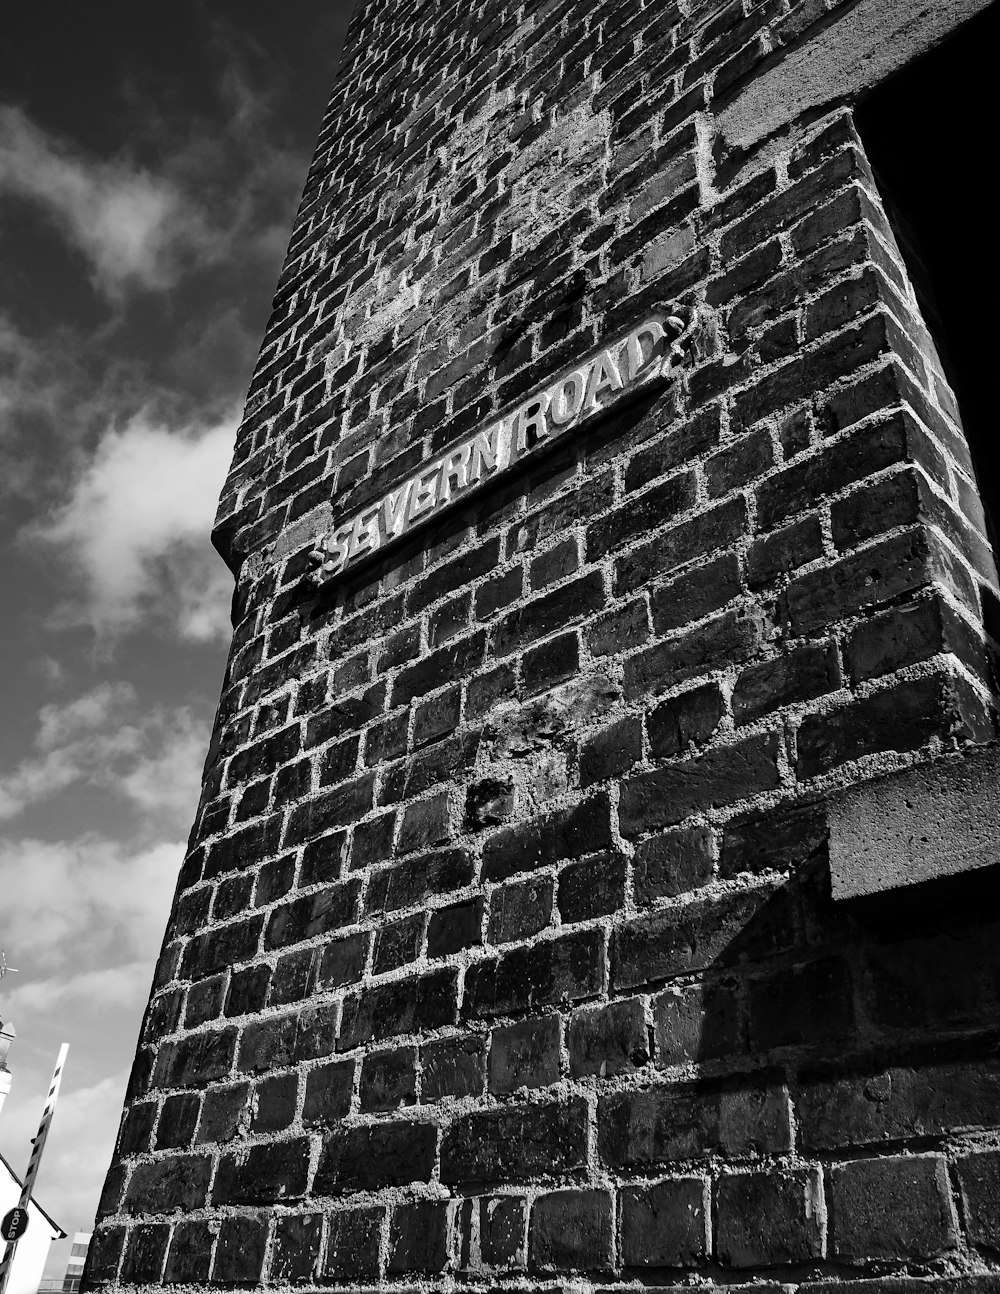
(296, 1247)
(521, 909)
(571, 1229)
(402, 1006)
(564, 834)
(769, 1218)
(418, 1237)
(672, 863)
(388, 1079)
(979, 1181)
(894, 1208)
(569, 968)
(353, 1240)
(609, 1040)
(453, 1067)
(263, 1174)
(516, 1143)
(375, 1155)
(666, 1224)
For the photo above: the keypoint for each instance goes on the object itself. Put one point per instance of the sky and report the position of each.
(151, 160)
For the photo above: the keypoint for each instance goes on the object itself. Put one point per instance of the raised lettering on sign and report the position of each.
(650, 351)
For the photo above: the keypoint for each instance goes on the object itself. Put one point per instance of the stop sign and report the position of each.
(14, 1224)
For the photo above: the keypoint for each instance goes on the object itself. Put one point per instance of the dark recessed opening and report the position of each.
(930, 134)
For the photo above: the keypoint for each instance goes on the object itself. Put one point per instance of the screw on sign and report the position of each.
(14, 1224)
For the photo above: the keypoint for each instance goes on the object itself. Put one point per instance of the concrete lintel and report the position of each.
(870, 41)
(930, 822)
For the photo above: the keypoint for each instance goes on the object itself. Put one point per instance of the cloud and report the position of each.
(134, 228)
(150, 757)
(134, 533)
(90, 902)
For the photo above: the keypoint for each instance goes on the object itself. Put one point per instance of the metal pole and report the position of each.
(38, 1145)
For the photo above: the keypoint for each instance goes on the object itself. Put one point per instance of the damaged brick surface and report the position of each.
(503, 954)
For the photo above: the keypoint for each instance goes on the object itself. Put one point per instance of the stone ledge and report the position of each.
(930, 822)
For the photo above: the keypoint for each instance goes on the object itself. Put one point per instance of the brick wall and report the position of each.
(504, 953)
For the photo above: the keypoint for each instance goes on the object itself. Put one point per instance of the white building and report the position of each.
(33, 1247)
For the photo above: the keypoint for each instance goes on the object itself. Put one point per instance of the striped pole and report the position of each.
(37, 1146)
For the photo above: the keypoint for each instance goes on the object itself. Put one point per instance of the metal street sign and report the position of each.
(14, 1224)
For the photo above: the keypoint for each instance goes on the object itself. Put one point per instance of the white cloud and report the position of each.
(89, 903)
(151, 757)
(134, 532)
(134, 228)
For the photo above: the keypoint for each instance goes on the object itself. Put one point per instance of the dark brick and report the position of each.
(330, 811)
(189, 1258)
(611, 751)
(571, 1229)
(567, 833)
(893, 1208)
(223, 1113)
(515, 1143)
(566, 969)
(770, 1218)
(104, 1254)
(239, 1254)
(424, 823)
(275, 1100)
(295, 1251)
(328, 1093)
(520, 910)
(179, 1182)
(418, 1237)
(979, 1181)
(779, 839)
(719, 528)
(280, 1040)
(699, 1022)
(375, 1155)
(525, 1055)
(489, 802)
(609, 1040)
(453, 928)
(803, 1005)
(672, 863)
(640, 515)
(619, 630)
(353, 1241)
(388, 1079)
(799, 675)
(319, 913)
(685, 720)
(135, 1137)
(343, 961)
(452, 1067)
(264, 1174)
(415, 880)
(903, 717)
(593, 888)
(696, 594)
(658, 1125)
(665, 1225)
(783, 551)
(729, 638)
(551, 663)
(197, 1060)
(453, 661)
(397, 943)
(402, 1006)
(723, 776)
(437, 717)
(541, 616)
(144, 1253)
(716, 930)
(500, 1224)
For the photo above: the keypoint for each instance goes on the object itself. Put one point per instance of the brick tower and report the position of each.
(594, 878)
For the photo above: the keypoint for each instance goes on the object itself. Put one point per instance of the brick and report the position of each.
(453, 1067)
(799, 675)
(330, 811)
(722, 776)
(665, 1224)
(397, 943)
(641, 514)
(784, 551)
(376, 1155)
(502, 1225)
(660, 1125)
(264, 1174)
(275, 1100)
(424, 824)
(566, 833)
(782, 839)
(525, 1054)
(452, 661)
(541, 616)
(343, 961)
(979, 1182)
(805, 1005)
(611, 751)
(414, 880)
(329, 1089)
(672, 863)
(323, 912)
(388, 1079)
(696, 594)
(569, 968)
(903, 717)
(706, 533)
(521, 909)
(619, 630)
(418, 1237)
(145, 1252)
(899, 1103)
(222, 1113)
(571, 1229)
(687, 719)
(515, 1143)
(179, 1182)
(550, 663)
(709, 931)
(609, 1040)
(401, 1006)
(189, 1258)
(593, 888)
(455, 928)
(700, 1022)
(296, 1248)
(767, 1219)
(352, 1245)
(893, 1208)
(239, 1253)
